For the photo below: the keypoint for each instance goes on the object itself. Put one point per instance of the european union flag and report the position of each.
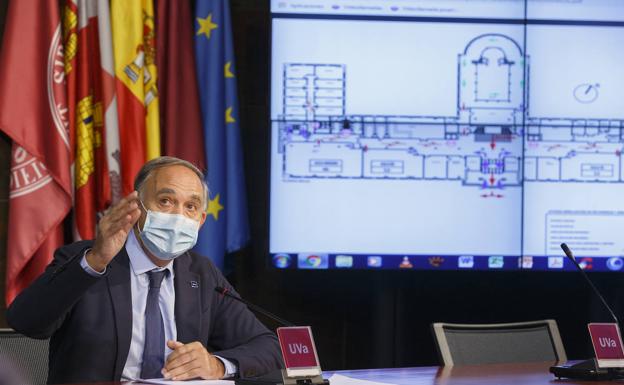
(226, 228)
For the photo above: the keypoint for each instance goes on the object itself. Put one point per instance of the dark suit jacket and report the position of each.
(89, 319)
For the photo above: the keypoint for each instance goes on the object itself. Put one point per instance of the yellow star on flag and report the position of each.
(228, 70)
(206, 26)
(214, 207)
(228, 116)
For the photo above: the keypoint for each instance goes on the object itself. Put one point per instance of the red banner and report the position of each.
(181, 129)
(33, 113)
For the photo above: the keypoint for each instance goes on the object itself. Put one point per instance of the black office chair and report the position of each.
(23, 357)
(464, 344)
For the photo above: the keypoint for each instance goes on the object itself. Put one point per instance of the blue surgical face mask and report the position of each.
(168, 236)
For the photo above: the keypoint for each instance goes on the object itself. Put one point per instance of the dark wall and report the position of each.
(361, 318)
(375, 319)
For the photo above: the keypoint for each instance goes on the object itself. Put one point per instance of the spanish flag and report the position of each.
(134, 49)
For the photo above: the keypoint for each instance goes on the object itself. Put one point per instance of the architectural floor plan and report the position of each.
(486, 144)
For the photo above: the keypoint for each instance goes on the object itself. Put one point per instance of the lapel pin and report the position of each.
(194, 284)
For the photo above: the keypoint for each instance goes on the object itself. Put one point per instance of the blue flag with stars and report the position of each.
(226, 228)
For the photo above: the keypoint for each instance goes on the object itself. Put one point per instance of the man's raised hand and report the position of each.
(112, 231)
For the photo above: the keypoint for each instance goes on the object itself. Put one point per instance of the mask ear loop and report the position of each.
(146, 212)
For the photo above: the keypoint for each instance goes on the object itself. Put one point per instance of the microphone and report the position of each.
(279, 376)
(570, 256)
(226, 292)
(588, 369)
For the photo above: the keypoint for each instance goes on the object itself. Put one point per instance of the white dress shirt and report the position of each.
(140, 265)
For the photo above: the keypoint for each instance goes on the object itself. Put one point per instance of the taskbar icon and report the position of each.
(312, 261)
(374, 261)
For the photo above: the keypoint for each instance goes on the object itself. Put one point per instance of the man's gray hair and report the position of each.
(165, 161)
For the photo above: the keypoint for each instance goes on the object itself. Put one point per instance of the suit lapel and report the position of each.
(121, 297)
(188, 300)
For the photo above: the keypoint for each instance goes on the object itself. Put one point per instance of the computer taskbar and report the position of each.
(345, 261)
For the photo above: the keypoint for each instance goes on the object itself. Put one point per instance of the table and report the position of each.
(498, 374)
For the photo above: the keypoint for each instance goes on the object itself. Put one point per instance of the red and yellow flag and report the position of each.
(134, 48)
(86, 106)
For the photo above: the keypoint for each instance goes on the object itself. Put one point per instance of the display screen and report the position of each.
(449, 134)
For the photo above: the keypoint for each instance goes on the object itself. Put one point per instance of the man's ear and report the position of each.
(202, 219)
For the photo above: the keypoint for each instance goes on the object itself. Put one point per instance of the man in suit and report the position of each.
(136, 303)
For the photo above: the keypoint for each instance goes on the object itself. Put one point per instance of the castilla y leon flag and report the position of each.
(109, 98)
(33, 114)
(85, 97)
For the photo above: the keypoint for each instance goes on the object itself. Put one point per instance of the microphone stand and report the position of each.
(276, 377)
(588, 369)
(225, 292)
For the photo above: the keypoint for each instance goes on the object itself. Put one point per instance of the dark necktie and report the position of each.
(154, 348)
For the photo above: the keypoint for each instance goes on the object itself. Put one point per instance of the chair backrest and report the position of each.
(27, 356)
(466, 344)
